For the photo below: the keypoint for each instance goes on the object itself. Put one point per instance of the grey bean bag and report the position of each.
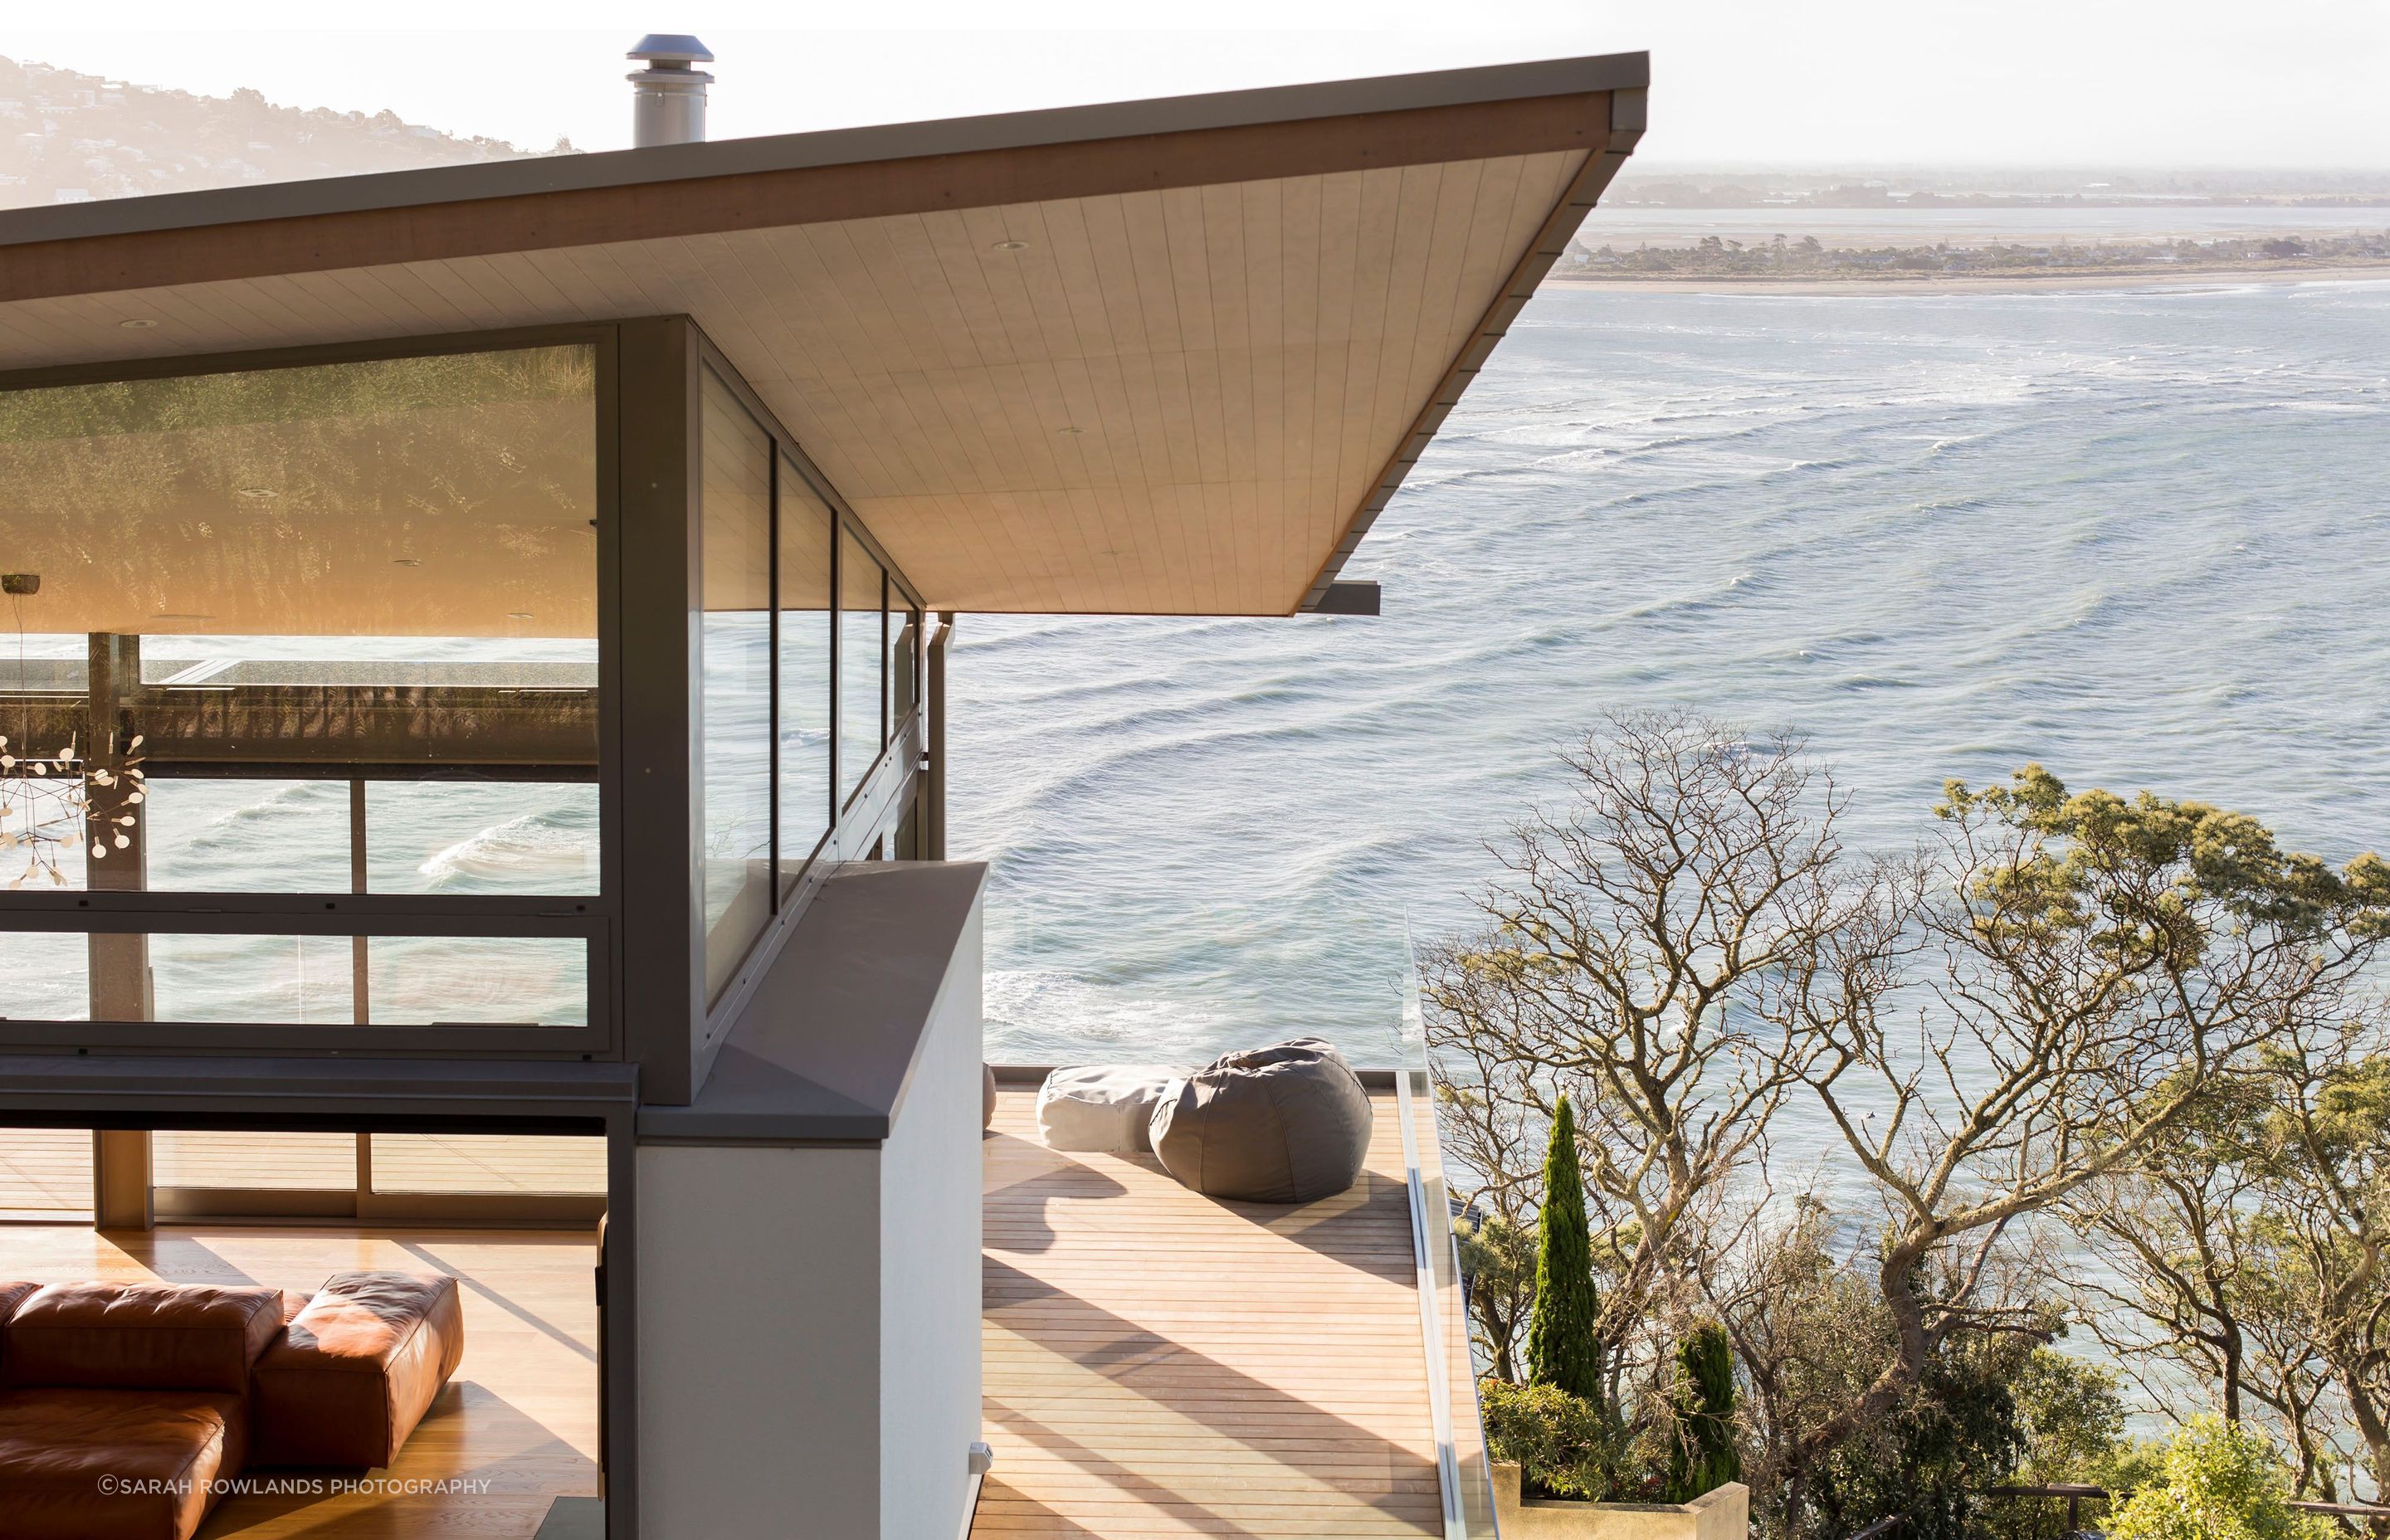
(1282, 1124)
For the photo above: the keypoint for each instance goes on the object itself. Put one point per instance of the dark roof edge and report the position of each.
(663, 163)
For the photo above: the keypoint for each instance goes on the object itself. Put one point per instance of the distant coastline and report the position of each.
(2040, 281)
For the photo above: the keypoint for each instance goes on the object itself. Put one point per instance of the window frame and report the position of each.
(595, 918)
(859, 822)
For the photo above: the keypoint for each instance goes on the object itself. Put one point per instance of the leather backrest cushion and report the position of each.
(140, 1336)
(11, 1296)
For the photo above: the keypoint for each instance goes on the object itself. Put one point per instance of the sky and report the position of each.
(1756, 82)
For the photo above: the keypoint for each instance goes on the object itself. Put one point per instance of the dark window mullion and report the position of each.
(837, 601)
(772, 673)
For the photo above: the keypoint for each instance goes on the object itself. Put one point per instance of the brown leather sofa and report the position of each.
(127, 1409)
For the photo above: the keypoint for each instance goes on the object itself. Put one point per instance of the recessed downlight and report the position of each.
(518, 614)
(1010, 245)
(407, 561)
(1070, 432)
(137, 324)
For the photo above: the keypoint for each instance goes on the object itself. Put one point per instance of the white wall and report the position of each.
(809, 1315)
(929, 1270)
(758, 1299)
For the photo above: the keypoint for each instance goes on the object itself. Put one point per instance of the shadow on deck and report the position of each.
(1161, 1364)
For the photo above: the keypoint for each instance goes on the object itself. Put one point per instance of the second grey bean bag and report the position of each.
(1286, 1123)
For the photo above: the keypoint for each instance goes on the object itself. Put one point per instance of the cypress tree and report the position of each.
(1560, 1346)
(1702, 1457)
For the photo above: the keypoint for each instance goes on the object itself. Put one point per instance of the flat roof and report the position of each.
(1165, 356)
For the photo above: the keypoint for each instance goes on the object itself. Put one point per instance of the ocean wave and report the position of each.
(548, 847)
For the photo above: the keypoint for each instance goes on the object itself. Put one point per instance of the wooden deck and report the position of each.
(1160, 1363)
(522, 1412)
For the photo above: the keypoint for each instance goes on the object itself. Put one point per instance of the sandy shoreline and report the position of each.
(1988, 283)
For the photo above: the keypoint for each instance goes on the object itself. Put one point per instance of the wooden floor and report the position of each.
(521, 1415)
(1160, 1363)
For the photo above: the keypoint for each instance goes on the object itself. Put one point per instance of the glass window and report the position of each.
(294, 1163)
(903, 660)
(734, 859)
(862, 663)
(410, 981)
(481, 836)
(244, 585)
(204, 835)
(806, 531)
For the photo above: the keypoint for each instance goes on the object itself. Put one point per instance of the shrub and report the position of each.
(2220, 1481)
(1564, 1445)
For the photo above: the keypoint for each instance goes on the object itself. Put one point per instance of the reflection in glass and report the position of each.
(291, 1162)
(488, 1162)
(862, 663)
(207, 836)
(733, 861)
(303, 980)
(257, 587)
(805, 536)
(464, 837)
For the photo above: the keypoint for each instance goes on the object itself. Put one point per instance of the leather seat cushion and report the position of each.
(356, 1370)
(161, 1452)
(140, 1336)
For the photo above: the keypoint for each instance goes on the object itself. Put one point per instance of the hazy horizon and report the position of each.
(1736, 84)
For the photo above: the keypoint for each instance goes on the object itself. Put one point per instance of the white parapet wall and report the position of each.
(808, 1308)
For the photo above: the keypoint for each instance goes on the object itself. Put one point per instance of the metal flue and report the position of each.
(668, 96)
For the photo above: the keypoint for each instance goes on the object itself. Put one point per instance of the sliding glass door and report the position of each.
(531, 1179)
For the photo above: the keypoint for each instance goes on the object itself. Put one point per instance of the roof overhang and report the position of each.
(1167, 356)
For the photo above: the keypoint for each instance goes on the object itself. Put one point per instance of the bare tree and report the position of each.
(2106, 967)
(1659, 949)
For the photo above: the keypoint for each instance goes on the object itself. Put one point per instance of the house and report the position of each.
(637, 496)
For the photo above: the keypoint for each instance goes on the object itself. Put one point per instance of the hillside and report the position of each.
(66, 137)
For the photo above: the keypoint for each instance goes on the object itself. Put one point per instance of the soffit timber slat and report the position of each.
(1153, 399)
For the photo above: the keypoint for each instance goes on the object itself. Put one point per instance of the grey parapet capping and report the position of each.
(829, 1042)
(1345, 596)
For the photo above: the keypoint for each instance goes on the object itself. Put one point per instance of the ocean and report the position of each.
(2140, 537)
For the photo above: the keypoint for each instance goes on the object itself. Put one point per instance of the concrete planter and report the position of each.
(1723, 1514)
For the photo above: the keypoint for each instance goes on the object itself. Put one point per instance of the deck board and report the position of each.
(1160, 1363)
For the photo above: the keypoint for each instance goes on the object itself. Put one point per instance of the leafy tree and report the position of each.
(1562, 1347)
(1497, 1263)
(1956, 1430)
(2106, 967)
(1701, 1455)
(2249, 1254)
(2220, 1481)
(2070, 1420)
